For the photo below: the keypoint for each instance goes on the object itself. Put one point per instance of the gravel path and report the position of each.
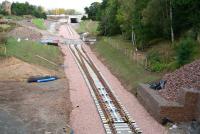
(84, 118)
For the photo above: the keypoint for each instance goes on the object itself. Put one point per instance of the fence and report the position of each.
(138, 57)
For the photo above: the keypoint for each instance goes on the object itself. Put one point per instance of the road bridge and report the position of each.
(67, 18)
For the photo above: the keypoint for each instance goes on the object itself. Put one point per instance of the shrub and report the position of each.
(158, 67)
(2, 38)
(185, 50)
(84, 18)
(153, 56)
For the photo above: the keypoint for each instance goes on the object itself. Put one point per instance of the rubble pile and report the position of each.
(187, 76)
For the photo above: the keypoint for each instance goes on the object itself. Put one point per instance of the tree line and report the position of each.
(28, 9)
(147, 20)
(20, 9)
(60, 11)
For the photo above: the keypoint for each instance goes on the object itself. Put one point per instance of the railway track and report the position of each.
(114, 116)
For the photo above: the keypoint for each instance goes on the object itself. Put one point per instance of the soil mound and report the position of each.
(24, 33)
(187, 76)
(13, 69)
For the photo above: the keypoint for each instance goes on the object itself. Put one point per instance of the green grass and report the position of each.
(4, 27)
(88, 26)
(161, 57)
(13, 17)
(7, 27)
(27, 51)
(128, 71)
(39, 23)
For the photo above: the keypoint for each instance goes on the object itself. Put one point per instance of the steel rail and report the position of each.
(91, 81)
(120, 108)
(83, 58)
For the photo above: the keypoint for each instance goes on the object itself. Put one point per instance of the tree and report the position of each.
(109, 24)
(138, 27)
(60, 11)
(124, 17)
(2, 10)
(147, 20)
(27, 9)
(93, 11)
(187, 16)
(157, 16)
(185, 51)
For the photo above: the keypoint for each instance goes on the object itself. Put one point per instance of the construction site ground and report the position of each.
(32, 108)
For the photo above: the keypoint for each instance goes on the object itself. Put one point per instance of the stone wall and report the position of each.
(185, 110)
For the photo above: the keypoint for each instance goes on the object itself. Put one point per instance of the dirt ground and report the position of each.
(20, 71)
(37, 108)
(25, 33)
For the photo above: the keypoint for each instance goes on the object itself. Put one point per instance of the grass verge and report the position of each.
(39, 23)
(88, 26)
(13, 17)
(129, 72)
(27, 51)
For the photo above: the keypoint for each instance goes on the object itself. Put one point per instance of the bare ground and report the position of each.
(25, 33)
(13, 69)
(37, 108)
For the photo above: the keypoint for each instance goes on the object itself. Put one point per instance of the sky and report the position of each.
(78, 5)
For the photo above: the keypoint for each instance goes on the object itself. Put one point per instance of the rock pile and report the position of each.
(188, 77)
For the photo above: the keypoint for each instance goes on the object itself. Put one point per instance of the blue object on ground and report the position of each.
(42, 79)
(47, 79)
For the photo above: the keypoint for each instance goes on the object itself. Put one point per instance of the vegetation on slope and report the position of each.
(154, 24)
(147, 19)
(88, 26)
(129, 72)
(28, 51)
(39, 23)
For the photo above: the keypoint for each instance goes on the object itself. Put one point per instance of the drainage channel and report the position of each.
(114, 116)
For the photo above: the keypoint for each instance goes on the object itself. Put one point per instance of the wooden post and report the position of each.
(5, 51)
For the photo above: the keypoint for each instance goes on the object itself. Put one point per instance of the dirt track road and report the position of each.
(84, 117)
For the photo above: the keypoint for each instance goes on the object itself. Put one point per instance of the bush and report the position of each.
(3, 12)
(153, 56)
(2, 38)
(84, 18)
(185, 51)
(159, 62)
(158, 67)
